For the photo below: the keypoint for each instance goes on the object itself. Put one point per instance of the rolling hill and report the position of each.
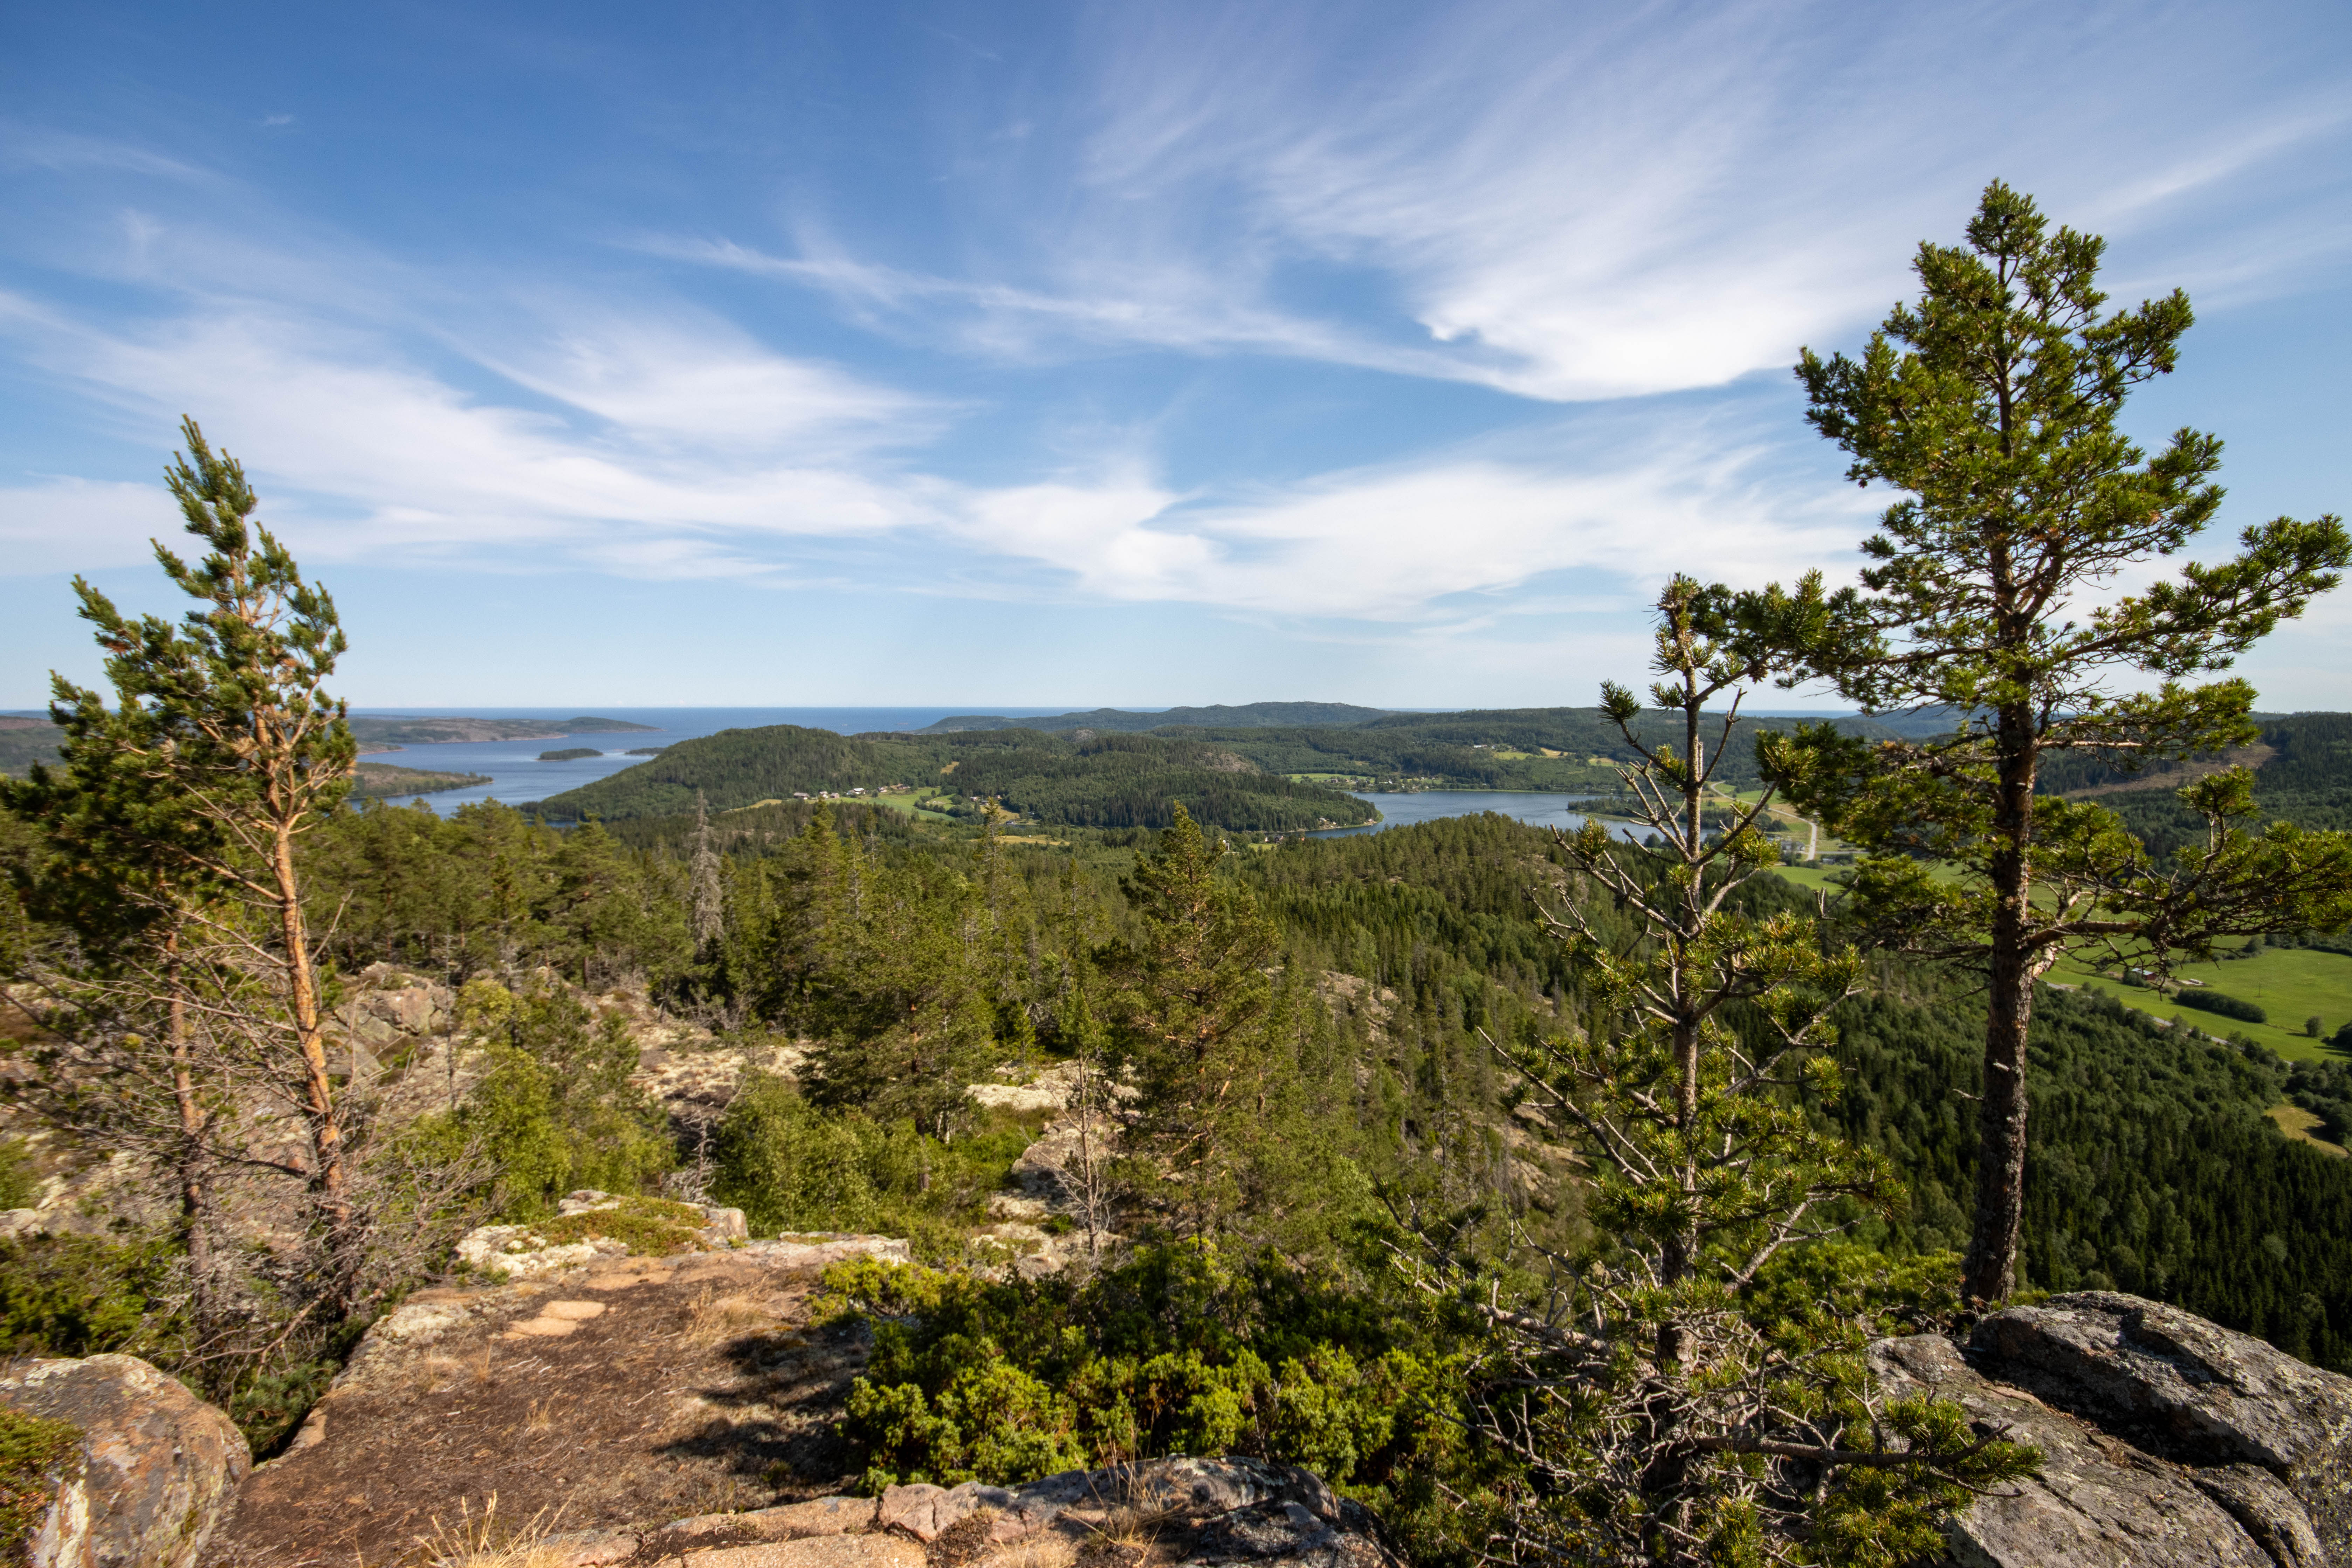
(1110, 781)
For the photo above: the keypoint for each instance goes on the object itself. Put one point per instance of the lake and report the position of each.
(517, 775)
(1429, 804)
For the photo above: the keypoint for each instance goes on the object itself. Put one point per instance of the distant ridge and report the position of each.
(394, 731)
(1249, 716)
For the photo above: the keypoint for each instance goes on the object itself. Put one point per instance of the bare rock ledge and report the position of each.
(2168, 1441)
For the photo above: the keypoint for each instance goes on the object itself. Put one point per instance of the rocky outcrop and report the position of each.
(590, 1226)
(160, 1466)
(1197, 1512)
(2166, 1440)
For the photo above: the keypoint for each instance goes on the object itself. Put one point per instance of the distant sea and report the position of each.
(517, 775)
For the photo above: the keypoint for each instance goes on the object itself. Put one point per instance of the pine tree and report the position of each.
(235, 730)
(123, 862)
(1674, 1401)
(1993, 405)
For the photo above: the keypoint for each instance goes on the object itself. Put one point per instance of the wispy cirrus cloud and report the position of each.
(1557, 204)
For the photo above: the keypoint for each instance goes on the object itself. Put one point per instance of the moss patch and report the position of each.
(37, 1456)
(649, 1227)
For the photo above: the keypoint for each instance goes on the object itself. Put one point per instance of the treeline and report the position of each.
(2155, 1169)
(1234, 777)
(1459, 750)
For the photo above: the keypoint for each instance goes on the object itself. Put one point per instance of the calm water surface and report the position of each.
(517, 775)
(1427, 806)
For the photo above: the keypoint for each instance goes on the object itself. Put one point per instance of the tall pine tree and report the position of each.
(1994, 407)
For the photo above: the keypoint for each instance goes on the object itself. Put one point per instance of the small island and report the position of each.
(645, 752)
(568, 754)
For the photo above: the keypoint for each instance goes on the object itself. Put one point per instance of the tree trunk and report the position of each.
(327, 1177)
(190, 1162)
(1990, 1274)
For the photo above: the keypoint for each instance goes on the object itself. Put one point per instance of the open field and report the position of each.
(1819, 878)
(2297, 1123)
(2289, 984)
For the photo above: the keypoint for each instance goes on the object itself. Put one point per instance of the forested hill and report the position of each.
(1505, 748)
(434, 729)
(2303, 775)
(1248, 715)
(23, 743)
(1110, 781)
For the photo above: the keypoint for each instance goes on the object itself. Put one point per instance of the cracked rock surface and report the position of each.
(2165, 1438)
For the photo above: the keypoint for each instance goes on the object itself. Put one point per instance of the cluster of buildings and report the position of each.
(852, 794)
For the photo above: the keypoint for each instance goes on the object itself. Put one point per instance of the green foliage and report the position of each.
(555, 1111)
(1994, 408)
(1786, 1356)
(1673, 1401)
(1182, 1349)
(78, 1296)
(2325, 1088)
(20, 1184)
(790, 1166)
(2227, 1007)
(1112, 781)
(485, 890)
(1190, 1003)
(2153, 1169)
(269, 1404)
(649, 1227)
(37, 1456)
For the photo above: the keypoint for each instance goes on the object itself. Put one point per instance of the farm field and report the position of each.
(2289, 984)
(1818, 878)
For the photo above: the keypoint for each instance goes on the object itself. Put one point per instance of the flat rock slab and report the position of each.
(815, 1552)
(700, 1387)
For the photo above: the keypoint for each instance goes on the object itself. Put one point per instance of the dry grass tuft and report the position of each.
(485, 1543)
(713, 1317)
(437, 1374)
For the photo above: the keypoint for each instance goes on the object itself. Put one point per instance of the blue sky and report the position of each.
(1134, 353)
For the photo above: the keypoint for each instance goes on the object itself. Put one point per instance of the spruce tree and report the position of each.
(1187, 1013)
(1994, 407)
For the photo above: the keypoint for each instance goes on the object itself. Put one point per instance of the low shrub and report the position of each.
(80, 1295)
(790, 1166)
(20, 1183)
(650, 1227)
(1179, 1350)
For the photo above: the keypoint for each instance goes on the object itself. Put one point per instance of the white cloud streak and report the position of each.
(1559, 201)
(645, 464)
